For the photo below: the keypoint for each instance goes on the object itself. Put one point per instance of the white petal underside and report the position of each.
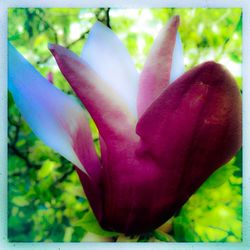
(53, 116)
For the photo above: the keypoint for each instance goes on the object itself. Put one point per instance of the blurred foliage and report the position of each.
(45, 199)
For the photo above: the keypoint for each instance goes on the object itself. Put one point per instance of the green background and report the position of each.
(45, 199)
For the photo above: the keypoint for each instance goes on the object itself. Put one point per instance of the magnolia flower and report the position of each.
(162, 132)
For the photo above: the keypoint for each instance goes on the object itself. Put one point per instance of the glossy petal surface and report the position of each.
(198, 128)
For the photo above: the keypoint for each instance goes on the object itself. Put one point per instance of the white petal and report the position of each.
(108, 57)
(53, 116)
(177, 68)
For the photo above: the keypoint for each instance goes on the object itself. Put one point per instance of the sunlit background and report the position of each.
(45, 198)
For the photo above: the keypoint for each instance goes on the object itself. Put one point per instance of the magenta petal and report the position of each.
(94, 193)
(156, 73)
(193, 127)
(112, 117)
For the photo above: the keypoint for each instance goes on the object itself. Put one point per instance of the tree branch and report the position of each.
(64, 176)
(42, 61)
(13, 141)
(24, 157)
(49, 27)
(108, 18)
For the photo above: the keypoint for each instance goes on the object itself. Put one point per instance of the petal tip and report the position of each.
(59, 51)
(97, 27)
(212, 66)
(51, 46)
(98, 23)
(56, 48)
(175, 21)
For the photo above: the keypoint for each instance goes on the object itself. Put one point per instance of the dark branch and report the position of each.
(108, 18)
(83, 36)
(48, 26)
(64, 176)
(228, 39)
(13, 141)
(22, 156)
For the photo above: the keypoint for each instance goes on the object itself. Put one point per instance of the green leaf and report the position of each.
(238, 160)
(46, 169)
(211, 234)
(179, 226)
(163, 236)
(236, 229)
(20, 201)
(90, 224)
(15, 164)
(68, 234)
(219, 177)
(235, 57)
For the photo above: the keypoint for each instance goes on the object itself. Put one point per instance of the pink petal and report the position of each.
(112, 117)
(157, 70)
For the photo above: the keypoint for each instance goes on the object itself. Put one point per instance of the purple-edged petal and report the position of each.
(113, 119)
(193, 128)
(53, 116)
(108, 57)
(157, 70)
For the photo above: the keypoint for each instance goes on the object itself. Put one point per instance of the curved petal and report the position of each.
(157, 70)
(108, 57)
(193, 128)
(112, 117)
(53, 116)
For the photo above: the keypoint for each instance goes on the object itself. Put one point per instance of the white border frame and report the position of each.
(244, 4)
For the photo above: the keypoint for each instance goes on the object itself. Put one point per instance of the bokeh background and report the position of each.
(45, 199)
